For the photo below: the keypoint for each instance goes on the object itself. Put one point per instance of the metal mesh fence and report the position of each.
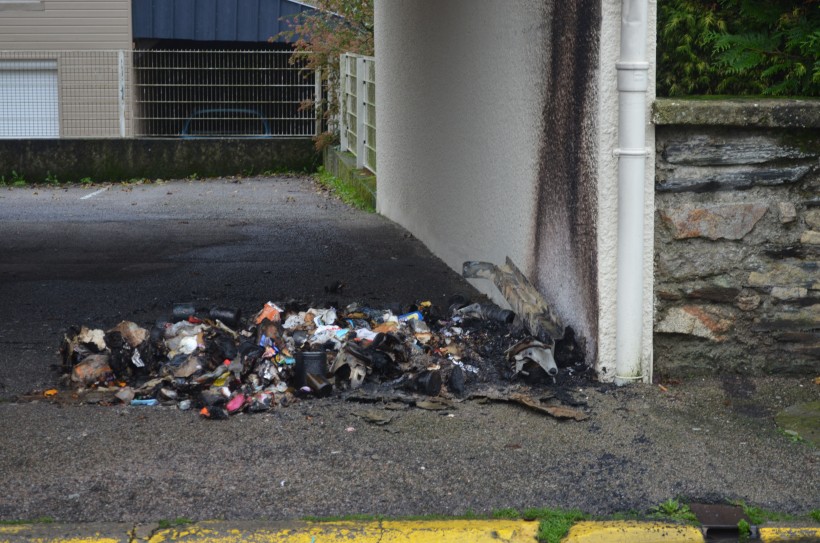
(222, 94)
(150, 93)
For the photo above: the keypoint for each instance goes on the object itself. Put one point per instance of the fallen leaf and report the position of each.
(562, 412)
(557, 411)
(434, 405)
(375, 416)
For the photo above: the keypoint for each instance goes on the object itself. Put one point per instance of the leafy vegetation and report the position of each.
(791, 435)
(674, 510)
(758, 515)
(746, 47)
(744, 530)
(15, 180)
(320, 36)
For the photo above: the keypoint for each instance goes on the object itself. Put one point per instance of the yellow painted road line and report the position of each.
(89, 539)
(295, 532)
(65, 533)
(631, 531)
(39, 538)
(776, 534)
(432, 531)
(457, 531)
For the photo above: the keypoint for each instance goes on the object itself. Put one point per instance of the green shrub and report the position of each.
(745, 47)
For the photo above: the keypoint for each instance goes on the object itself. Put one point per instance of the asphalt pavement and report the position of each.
(98, 255)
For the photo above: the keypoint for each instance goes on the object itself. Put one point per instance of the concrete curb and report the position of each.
(384, 531)
(776, 534)
(632, 531)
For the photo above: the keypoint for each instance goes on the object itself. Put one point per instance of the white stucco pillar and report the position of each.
(459, 90)
(608, 195)
(466, 91)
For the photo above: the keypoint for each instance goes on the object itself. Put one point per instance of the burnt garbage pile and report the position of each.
(217, 362)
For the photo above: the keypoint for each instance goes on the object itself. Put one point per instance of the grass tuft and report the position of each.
(165, 524)
(554, 523)
(507, 513)
(38, 520)
(351, 193)
(758, 515)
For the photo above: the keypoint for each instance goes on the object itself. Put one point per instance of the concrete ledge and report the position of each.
(748, 112)
(343, 165)
(71, 160)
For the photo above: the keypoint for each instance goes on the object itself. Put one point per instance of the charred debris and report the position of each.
(220, 364)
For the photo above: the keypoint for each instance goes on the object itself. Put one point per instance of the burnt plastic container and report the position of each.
(310, 363)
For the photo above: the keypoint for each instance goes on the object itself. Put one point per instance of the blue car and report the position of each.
(226, 123)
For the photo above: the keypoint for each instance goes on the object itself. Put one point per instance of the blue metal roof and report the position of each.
(212, 20)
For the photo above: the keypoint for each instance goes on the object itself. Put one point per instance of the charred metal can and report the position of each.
(229, 316)
(182, 311)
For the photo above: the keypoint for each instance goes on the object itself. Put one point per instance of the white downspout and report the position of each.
(632, 86)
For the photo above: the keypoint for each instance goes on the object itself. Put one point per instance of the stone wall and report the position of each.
(737, 237)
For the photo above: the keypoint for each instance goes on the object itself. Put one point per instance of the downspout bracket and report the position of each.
(643, 153)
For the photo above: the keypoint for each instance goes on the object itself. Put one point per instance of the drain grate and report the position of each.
(718, 521)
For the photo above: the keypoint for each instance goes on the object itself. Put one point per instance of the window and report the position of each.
(29, 99)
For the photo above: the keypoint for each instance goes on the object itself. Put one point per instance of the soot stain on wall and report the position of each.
(565, 227)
